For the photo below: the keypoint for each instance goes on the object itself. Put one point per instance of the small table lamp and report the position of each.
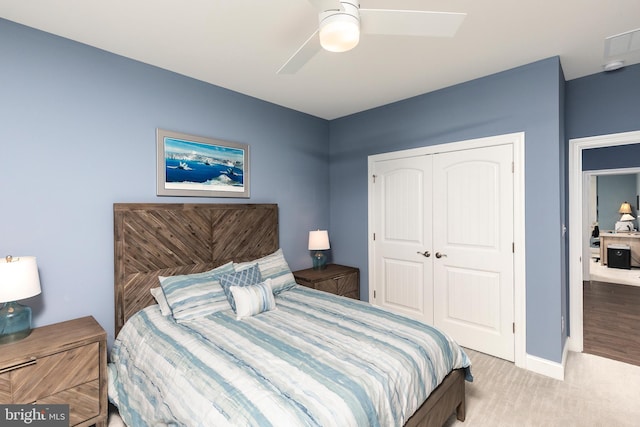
(625, 208)
(319, 241)
(626, 220)
(19, 279)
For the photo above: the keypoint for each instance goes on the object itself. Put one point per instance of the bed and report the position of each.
(309, 358)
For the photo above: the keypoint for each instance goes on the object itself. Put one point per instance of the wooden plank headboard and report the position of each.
(154, 240)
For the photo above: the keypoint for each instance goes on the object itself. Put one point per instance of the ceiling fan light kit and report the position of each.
(342, 21)
(340, 29)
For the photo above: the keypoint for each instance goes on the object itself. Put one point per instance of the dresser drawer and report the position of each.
(52, 374)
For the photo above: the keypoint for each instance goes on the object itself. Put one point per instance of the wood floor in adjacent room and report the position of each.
(612, 321)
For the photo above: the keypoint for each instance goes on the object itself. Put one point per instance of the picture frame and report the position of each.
(197, 166)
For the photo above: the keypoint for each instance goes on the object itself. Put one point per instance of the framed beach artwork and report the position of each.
(196, 166)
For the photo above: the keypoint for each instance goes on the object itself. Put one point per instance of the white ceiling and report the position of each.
(240, 44)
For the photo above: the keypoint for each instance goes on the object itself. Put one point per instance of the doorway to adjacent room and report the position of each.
(604, 301)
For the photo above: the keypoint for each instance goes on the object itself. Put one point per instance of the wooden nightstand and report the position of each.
(64, 363)
(336, 279)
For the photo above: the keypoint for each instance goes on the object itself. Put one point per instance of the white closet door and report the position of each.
(473, 248)
(402, 245)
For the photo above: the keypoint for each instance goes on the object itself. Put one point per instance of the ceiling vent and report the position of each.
(621, 44)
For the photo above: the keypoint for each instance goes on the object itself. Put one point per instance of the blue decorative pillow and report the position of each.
(274, 267)
(195, 295)
(246, 277)
(253, 299)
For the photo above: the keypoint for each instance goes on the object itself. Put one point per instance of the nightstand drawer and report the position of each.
(336, 279)
(83, 401)
(325, 285)
(346, 285)
(63, 363)
(52, 374)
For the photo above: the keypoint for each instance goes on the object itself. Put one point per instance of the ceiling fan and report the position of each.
(342, 21)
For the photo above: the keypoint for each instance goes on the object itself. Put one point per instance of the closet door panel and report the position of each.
(473, 238)
(403, 271)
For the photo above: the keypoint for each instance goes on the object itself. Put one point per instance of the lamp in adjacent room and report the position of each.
(319, 242)
(625, 208)
(19, 280)
(626, 220)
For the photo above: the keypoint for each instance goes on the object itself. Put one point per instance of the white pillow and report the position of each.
(253, 299)
(158, 295)
(196, 295)
(274, 267)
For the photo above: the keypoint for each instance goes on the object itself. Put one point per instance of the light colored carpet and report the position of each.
(596, 392)
(602, 273)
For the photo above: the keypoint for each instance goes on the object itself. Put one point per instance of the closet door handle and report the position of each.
(439, 255)
(425, 254)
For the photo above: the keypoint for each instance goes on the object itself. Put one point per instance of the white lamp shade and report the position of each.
(19, 278)
(627, 217)
(319, 240)
(625, 208)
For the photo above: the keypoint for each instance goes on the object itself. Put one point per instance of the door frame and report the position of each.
(519, 268)
(575, 340)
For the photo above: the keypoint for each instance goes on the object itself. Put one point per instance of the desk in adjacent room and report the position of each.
(629, 239)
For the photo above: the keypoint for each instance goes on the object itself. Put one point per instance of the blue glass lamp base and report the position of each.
(319, 261)
(15, 322)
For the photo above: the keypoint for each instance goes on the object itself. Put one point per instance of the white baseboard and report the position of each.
(547, 367)
(574, 345)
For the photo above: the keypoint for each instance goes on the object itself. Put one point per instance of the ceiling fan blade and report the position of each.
(410, 22)
(307, 51)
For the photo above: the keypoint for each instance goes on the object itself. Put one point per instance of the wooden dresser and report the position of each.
(336, 279)
(64, 363)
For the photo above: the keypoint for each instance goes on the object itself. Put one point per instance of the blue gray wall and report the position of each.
(603, 103)
(564, 217)
(529, 99)
(613, 190)
(618, 157)
(78, 134)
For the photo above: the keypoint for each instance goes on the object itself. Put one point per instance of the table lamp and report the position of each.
(625, 208)
(626, 220)
(19, 279)
(319, 242)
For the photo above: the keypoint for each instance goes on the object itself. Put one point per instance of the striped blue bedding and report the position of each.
(316, 360)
